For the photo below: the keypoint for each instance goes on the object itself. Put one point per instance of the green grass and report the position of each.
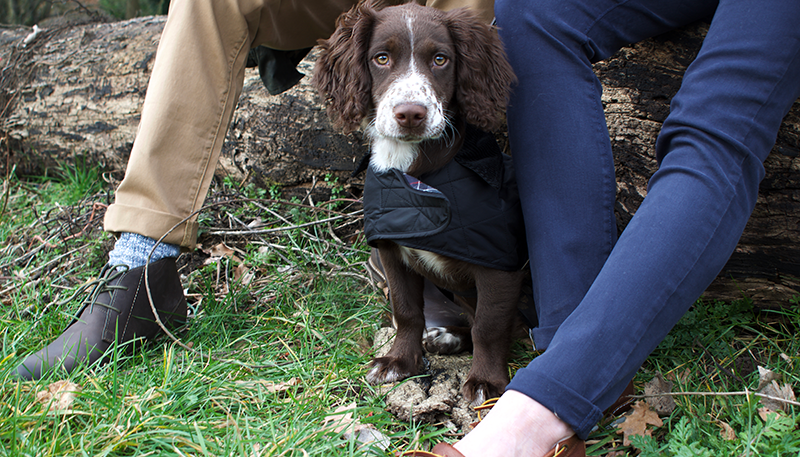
(716, 348)
(276, 353)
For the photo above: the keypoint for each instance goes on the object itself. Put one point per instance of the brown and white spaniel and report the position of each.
(413, 77)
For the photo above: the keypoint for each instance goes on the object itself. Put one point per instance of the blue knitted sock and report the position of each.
(132, 249)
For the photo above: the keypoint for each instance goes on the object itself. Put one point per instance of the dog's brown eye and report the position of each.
(439, 60)
(382, 59)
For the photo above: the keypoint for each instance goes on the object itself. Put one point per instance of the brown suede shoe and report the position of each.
(117, 305)
(570, 447)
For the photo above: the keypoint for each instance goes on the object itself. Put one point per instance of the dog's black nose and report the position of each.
(410, 116)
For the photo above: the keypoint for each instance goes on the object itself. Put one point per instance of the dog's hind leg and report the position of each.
(405, 358)
(448, 328)
(447, 340)
(492, 333)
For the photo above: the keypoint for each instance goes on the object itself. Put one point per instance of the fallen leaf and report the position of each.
(59, 395)
(773, 389)
(681, 377)
(765, 377)
(228, 423)
(219, 250)
(636, 422)
(243, 274)
(662, 404)
(369, 435)
(343, 422)
(727, 433)
(342, 418)
(255, 223)
(271, 386)
(256, 450)
(764, 413)
(786, 358)
(284, 385)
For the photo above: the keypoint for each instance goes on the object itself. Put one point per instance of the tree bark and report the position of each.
(78, 91)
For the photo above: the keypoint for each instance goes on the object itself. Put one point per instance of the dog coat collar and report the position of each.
(467, 210)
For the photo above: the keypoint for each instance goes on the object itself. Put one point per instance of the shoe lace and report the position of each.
(99, 285)
(488, 404)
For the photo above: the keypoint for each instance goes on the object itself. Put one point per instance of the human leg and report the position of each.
(565, 172)
(559, 138)
(723, 123)
(196, 80)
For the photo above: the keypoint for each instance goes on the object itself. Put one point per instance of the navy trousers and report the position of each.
(605, 304)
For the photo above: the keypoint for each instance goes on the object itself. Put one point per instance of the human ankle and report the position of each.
(516, 426)
(134, 250)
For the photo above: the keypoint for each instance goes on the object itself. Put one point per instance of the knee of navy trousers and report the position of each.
(604, 304)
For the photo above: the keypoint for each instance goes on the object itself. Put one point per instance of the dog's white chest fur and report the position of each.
(389, 153)
(429, 261)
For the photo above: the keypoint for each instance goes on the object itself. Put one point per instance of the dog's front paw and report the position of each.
(392, 369)
(446, 340)
(478, 391)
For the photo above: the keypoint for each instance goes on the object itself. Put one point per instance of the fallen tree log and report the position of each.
(77, 91)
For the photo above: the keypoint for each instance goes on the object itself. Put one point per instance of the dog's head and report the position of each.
(409, 70)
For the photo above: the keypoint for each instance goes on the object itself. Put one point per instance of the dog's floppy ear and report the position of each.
(341, 74)
(483, 74)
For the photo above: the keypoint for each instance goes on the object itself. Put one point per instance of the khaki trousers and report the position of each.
(196, 81)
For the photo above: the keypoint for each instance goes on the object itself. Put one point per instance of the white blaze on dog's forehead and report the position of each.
(410, 24)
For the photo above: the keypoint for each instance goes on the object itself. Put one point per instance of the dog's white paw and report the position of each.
(480, 396)
(391, 369)
(379, 375)
(438, 340)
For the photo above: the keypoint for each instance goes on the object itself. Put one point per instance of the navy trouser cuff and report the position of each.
(578, 412)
